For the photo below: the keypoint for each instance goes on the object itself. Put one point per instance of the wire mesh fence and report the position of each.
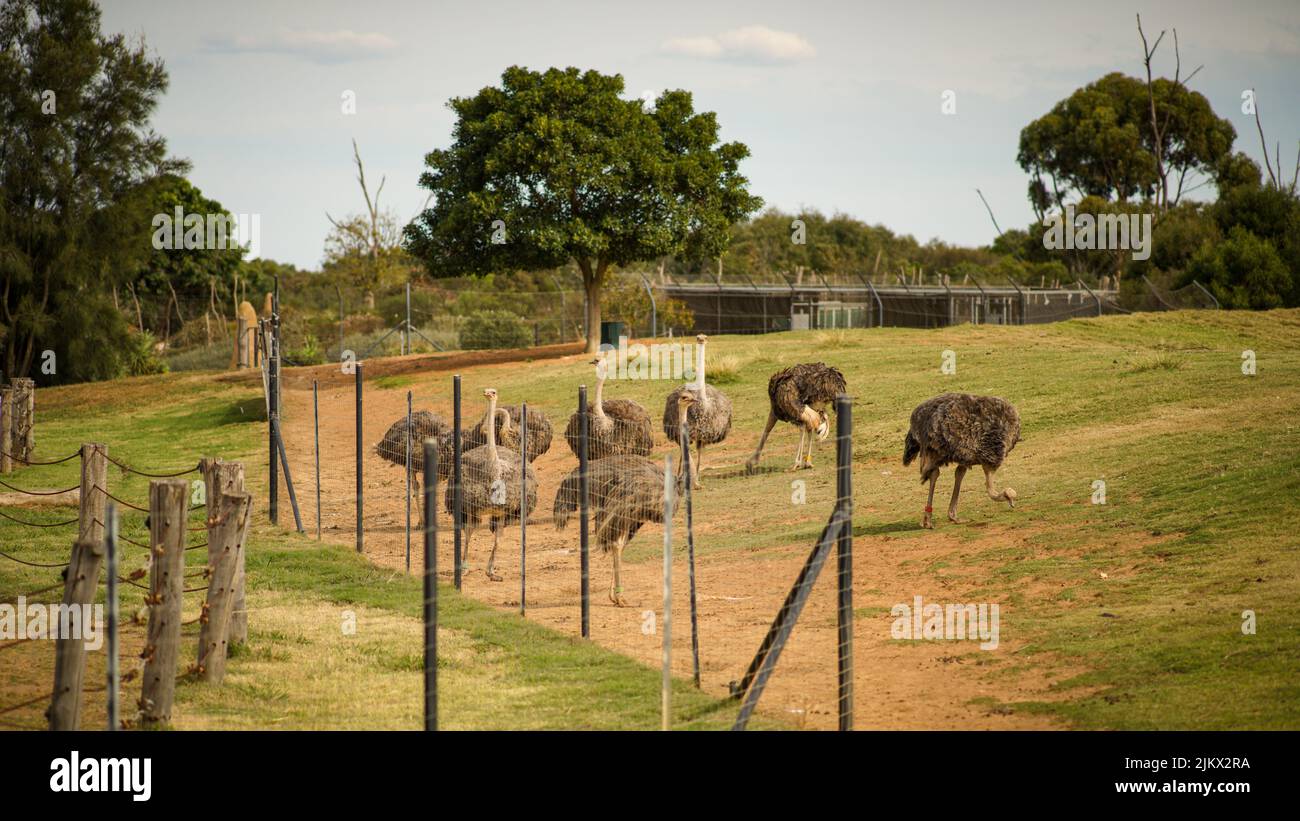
(553, 492)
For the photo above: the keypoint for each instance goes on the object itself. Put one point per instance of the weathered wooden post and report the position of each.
(24, 429)
(6, 429)
(94, 490)
(227, 537)
(74, 625)
(224, 479)
(167, 508)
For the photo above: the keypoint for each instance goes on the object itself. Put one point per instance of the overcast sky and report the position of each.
(839, 102)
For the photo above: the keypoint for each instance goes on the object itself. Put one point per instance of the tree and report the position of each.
(1243, 271)
(169, 273)
(1099, 142)
(76, 154)
(365, 250)
(556, 166)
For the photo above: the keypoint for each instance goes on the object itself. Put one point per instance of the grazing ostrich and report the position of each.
(615, 427)
(800, 395)
(490, 488)
(625, 492)
(507, 431)
(709, 420)
(966, 430)
(392, 448)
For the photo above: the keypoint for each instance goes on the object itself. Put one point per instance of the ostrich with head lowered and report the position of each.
(966, 430)
(801, 395)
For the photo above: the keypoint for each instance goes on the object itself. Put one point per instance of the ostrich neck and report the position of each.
(598, 409)
(493, 463)
(505, 420)
(699, 375)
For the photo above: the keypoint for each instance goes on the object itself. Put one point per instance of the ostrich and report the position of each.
(800, 395)
(615, 427)
(966, 430)
(626, 492)
(710, 415)
(424, 424)
(490, 487)
(507, 431)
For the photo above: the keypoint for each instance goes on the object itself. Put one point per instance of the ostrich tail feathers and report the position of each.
(911, 448)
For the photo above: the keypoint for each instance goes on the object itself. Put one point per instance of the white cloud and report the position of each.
(337, 46)
(746, 44)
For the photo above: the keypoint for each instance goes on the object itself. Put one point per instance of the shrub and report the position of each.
(494, 329)
(140, 356)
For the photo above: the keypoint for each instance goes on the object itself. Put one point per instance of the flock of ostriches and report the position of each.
(626, 488)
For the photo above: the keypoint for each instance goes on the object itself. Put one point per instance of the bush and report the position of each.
(140, 356)
(494, 329)
(1243, 271)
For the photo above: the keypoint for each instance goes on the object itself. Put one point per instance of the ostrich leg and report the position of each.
(956, 490)
(798, 454)
(753, 460)
(812, 445)
(417, 500)
(492, 557)
(929, 503)
(616, 586)
(699, 456)
(1007, 495)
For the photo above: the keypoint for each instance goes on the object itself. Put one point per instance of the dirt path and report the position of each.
(899, 684)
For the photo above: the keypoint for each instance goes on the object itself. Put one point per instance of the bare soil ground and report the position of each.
(899, 685)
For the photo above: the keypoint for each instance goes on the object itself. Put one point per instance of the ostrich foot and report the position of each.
(1010, 496)
(751, 467)
(952, 517)
(496, 577)
(616, 596)
(927, 522)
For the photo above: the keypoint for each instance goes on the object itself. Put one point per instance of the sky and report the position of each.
(841, 103)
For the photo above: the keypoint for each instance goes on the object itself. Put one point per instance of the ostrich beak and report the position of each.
(1010, 496)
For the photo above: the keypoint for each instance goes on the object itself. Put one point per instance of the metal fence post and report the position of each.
(315, 415)
(844, 555)
(584, 547)
(685, 435)
(457, 499)
(408, 479)
(430, 585)
(360, 492)
(666, 683)
(523, 507)
(272, 394)
(110, 617)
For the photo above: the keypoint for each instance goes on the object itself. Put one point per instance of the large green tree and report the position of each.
(76, 157)
(557, 166)
(1100, 142)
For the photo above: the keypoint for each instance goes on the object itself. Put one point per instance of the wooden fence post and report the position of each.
(94, 489)
(223, 479)
(168, 501)
(6, 429)
(24, 410)
(73, 626)
(227, 535)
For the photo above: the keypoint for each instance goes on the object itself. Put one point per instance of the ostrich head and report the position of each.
(684, 402)
(701, 338)
(823, 426)
(490, 393)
